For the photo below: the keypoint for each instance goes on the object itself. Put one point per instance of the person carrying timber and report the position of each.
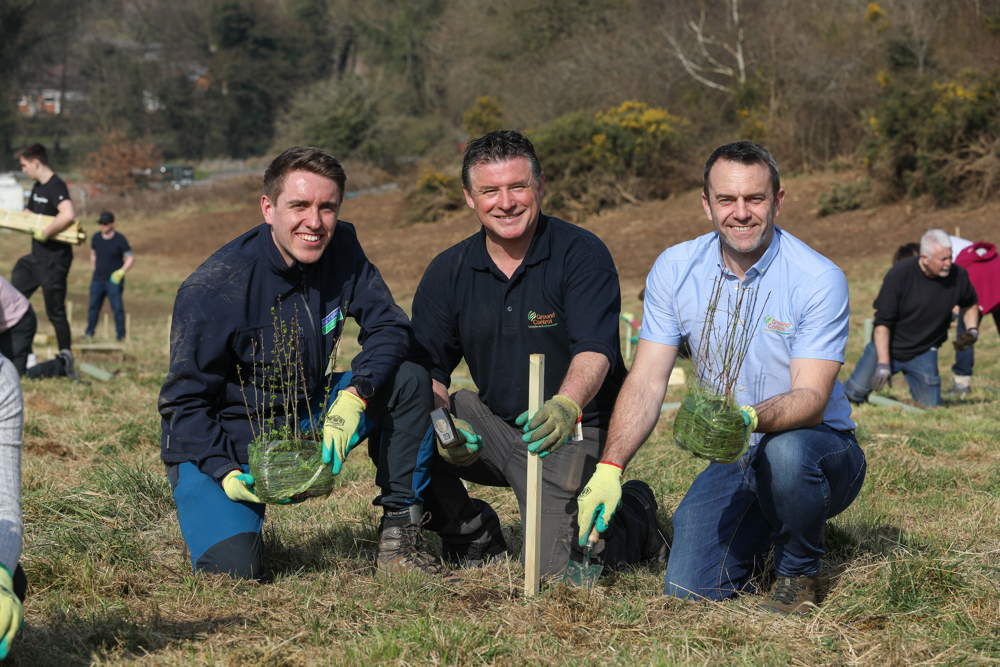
(48, 264)
(526, 283)
(913, 312)
(801, 463)
(302, 271)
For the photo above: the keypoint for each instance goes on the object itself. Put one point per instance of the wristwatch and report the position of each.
(363, 386)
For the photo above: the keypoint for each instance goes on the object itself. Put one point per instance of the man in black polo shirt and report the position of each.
(48, 264)
(525, 284)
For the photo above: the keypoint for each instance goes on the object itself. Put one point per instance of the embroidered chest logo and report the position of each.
(778, 327)
(540, 321)
(331, 321)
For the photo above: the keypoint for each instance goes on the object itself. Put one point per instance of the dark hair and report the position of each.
(499, 146)
(302, 158)
(746, 153)
(34, 152)
(905, 252)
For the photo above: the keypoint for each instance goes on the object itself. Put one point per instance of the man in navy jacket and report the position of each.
(298, 275)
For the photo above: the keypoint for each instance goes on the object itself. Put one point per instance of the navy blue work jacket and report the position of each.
(222, 348)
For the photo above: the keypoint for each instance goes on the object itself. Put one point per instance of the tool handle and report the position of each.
(593, 538)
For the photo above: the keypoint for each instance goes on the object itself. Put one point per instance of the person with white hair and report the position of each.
(912, 317)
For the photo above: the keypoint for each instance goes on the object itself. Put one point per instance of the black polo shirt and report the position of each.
(564, 299)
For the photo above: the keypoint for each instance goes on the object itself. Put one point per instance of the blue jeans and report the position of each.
(780, 493)
(225, 536)
(98, 290)
(966, 359)
(921, 373)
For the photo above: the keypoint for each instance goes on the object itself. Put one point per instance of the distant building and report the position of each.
(46, 101)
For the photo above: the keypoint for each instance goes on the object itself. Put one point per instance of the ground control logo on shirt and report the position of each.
(778, 327)
(539, 321)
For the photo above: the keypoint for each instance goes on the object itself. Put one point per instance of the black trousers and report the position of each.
(470, 529)
(15, 344)
(32, 272)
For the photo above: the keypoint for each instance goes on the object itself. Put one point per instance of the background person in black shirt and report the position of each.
(48, 264)
(110, 257)
(526, 283)
(912, 317)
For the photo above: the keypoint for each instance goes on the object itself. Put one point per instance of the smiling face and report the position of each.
(742, 206)
(304, 216)
(506, 198)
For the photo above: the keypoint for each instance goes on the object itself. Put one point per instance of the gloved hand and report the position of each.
(117, 276)
(599, 500)
(967, 340)
(237, 485)
(342, 420)
(468, 451)
(749, 426)
(881, 377)
(11, 612)
(39, 236)
(551, 426)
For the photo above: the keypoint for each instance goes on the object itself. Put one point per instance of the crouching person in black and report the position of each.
(303, 272)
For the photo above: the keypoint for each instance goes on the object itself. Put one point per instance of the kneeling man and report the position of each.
(803, 464)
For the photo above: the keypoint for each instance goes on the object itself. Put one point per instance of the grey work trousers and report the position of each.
(469, 528)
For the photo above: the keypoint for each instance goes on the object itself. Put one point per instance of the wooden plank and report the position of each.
(533, 513)
(26, 221)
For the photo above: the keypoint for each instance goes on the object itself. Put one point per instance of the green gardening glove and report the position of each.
(238, 486)
(551, 426)
(599, 500)
(339, 429)
(11, 612)
(39, 236)
(468, 450)
(117, 276)
(749, 426)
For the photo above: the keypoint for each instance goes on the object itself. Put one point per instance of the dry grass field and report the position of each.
(912, 568)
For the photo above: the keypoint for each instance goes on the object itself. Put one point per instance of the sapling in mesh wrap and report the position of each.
(289, 469)
(709, 423)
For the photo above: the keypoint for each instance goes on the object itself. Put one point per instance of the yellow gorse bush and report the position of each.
(635, 136)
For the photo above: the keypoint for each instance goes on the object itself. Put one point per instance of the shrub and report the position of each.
(120, 164)
(846, 197)
(940, 139)
(485, 115)
(624, 154)
(435, 194)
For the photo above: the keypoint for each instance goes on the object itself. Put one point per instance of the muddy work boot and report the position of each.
(792, 595)
(657, 546)
(400, 538)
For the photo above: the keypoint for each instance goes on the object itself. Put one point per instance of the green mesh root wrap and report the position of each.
(289, 469)
(709, 426)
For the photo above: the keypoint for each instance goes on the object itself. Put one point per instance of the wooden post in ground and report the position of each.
(69, 313)
(533, 511)
(128, 327)
(628, 341)
(170, 321)
(106, 329)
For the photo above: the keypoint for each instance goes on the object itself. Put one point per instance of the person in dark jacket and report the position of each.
(288, 284)
(912, 316)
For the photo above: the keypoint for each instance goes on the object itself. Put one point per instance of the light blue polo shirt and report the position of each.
(806, 315)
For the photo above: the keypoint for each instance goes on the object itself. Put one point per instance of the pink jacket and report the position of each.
(981, 261)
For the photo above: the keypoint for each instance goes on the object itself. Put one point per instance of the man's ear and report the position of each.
(266, 208)
(468, 199)
(707, 206)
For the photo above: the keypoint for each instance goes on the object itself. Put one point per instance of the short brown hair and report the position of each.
(34, 151)
(302, 158)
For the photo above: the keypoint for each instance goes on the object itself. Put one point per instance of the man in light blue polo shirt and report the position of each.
(803, 464)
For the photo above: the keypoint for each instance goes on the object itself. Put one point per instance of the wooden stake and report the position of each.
(106, 328)
(170, 322)
(69, 313)
(533, 513)
(628, 341)
(128, 327)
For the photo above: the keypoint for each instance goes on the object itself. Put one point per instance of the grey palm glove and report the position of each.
(881, 377)
(468, 450)
(551, 426)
